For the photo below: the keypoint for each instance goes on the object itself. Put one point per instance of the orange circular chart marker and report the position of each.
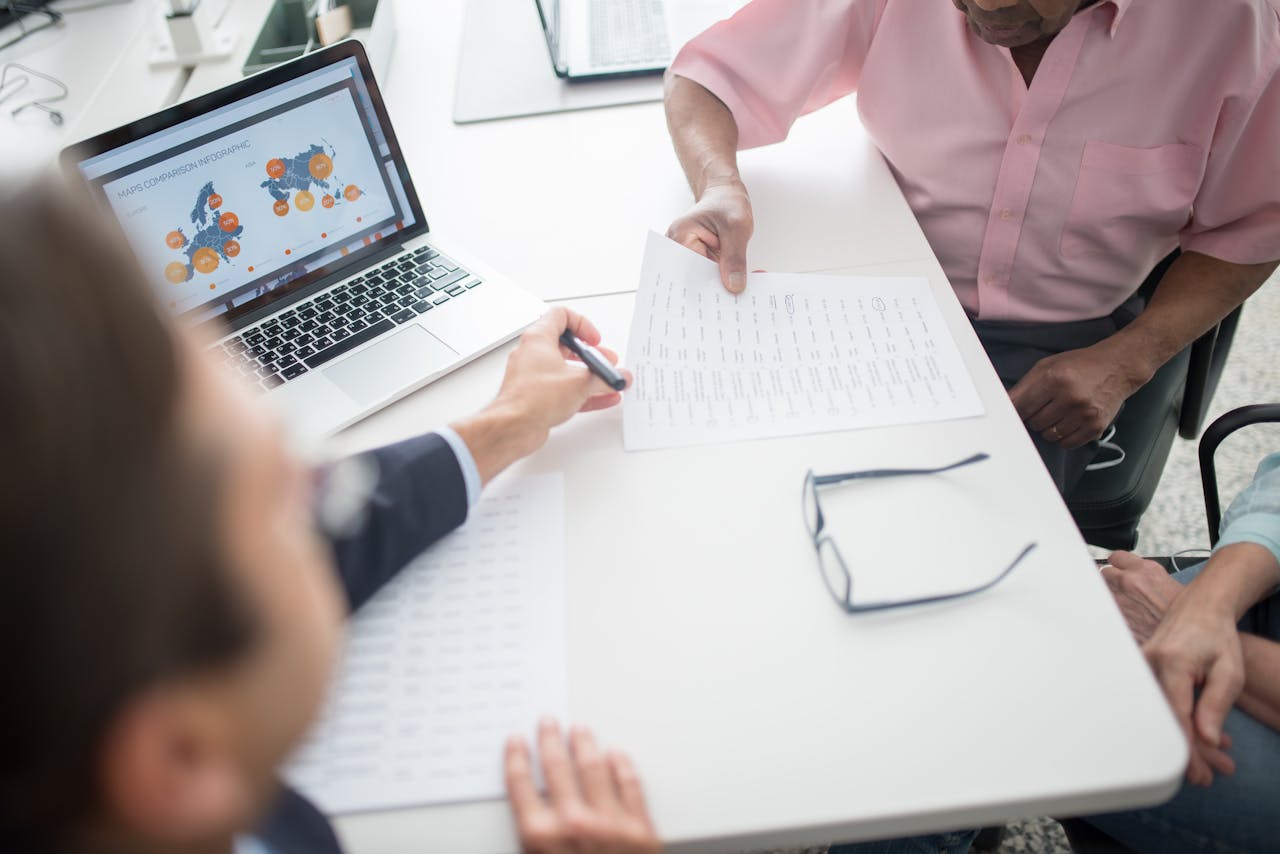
(215, 201)
(281, 207)
(205, 260)
(324, 235)
(250, 269)
(231, 248)
(175, 240)
(275, 167)
(320, 166)
(327, 201)
(213, 287)
(304, 201)
(228, 222)
(351, 192)
(359, 219)
(288, 251)
(176, 272)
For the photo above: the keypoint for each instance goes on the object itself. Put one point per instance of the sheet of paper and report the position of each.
(794, 354)
(463, 648)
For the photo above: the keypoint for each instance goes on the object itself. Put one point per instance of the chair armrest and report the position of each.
(1214, 434)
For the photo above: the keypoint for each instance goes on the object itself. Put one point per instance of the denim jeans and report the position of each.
(1239, 813)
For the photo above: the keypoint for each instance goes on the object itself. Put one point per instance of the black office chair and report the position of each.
(1085, 838)
(1108, 503)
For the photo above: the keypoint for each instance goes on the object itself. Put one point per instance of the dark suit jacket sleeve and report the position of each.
(420, 496)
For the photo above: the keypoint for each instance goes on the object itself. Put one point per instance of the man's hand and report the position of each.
(594, 803)
(1143, 591)
(541, 389)
(1072, 397)
(719, 226)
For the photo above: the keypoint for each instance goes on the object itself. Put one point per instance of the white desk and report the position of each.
(702, 640)
(700, 636)
(101, 54)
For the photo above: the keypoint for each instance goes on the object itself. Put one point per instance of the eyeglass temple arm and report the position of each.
(943, 597)
(828, 479)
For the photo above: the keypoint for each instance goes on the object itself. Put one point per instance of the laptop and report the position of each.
(591, 39)
(279, 213)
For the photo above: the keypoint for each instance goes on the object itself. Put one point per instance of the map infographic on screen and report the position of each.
(230, 216)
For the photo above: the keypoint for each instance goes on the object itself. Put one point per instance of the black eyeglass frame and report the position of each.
(813, 481)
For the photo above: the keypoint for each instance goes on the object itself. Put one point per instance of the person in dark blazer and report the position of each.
(174, 584)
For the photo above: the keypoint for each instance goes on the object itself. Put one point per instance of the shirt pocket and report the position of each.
(1126, 198)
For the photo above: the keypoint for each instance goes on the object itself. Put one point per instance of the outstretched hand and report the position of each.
(544, 386)
(719, 226)
(594, 803)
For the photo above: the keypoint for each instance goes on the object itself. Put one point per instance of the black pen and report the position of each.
(591, 357)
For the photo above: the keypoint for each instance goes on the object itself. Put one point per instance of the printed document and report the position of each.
(465, 647)
(794, 354)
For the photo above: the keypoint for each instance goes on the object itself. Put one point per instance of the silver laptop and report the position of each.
(590, 39)
(279, 212)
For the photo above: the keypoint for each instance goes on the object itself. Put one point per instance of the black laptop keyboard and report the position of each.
(287, 345)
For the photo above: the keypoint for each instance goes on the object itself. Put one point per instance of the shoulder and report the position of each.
(1256, 21)
(1239, 38)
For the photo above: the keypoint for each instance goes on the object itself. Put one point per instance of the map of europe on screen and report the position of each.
(215, 238)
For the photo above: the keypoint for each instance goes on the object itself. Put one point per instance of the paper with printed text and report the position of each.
(794, 354)
(465, 647)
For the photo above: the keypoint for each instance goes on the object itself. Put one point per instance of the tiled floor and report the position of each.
(1176, 521)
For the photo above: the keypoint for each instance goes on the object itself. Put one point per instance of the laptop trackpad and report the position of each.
(379, 371)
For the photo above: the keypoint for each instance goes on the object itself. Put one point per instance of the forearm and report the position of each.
(1195, 293)
(1261, 697)
(704, 134)
(1235, 579)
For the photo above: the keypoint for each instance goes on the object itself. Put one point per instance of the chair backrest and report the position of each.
(1214, 434)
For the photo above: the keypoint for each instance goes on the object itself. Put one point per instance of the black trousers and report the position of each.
(1014, 348)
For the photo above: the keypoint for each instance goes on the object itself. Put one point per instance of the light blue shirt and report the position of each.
(1254, 517)
(251, 845)
(470, 471)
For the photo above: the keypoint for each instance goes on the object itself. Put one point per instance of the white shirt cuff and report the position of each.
(466, 462)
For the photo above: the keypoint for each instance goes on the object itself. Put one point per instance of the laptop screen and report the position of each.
(262, 194)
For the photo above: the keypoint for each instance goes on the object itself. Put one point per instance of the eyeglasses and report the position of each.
(835, 572)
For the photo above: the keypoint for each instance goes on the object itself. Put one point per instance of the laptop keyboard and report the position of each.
(628, 32)
(289, 344)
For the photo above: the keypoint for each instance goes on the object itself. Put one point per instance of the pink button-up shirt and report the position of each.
(1149, 124)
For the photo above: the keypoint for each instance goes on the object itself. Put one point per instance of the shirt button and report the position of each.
(1024, 139)
(1006, 213)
